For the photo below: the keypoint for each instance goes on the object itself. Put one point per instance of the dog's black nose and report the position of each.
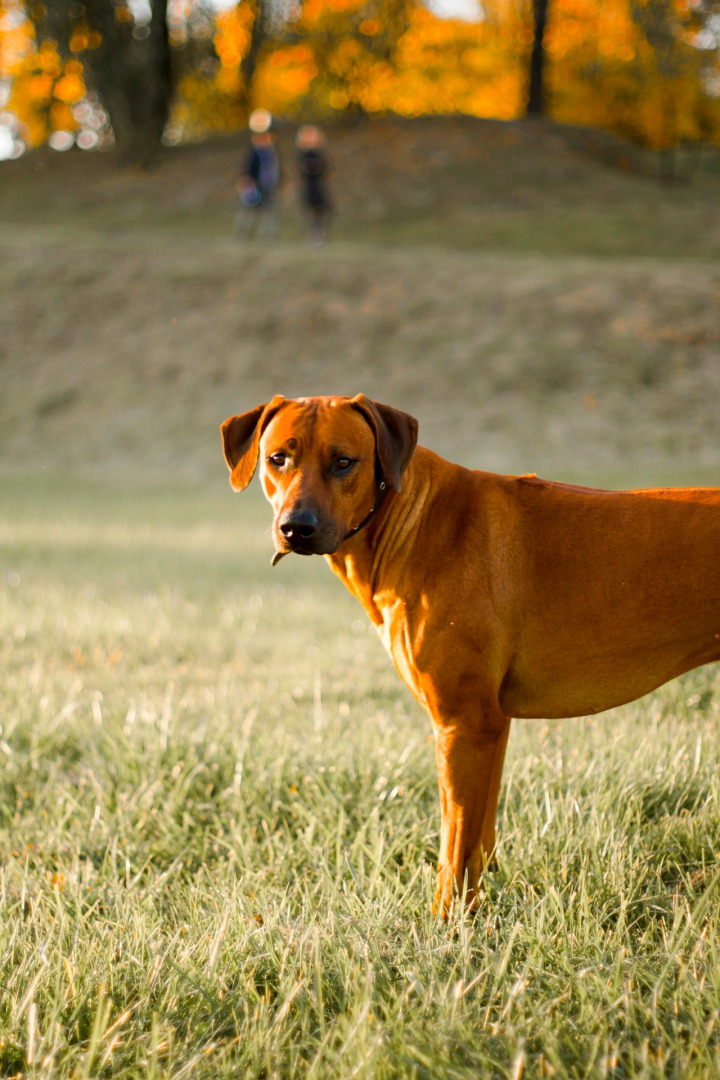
(301, 525)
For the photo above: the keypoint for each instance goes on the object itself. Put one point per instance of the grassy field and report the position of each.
(218, 817)
(218, 806)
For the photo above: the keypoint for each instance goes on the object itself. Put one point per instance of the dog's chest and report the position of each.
(402, 642)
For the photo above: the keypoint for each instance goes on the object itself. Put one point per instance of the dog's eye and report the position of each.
(278, 460)
(342, 464)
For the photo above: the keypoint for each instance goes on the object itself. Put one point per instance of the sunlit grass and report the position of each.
(218, 819)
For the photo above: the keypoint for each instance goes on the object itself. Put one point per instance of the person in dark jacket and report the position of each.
(258, 184)
(313, 164)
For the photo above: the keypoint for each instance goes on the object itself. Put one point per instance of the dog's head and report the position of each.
(322, 463)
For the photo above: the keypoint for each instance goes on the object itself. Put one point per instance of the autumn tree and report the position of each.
(634, 68)
(354, 43)
(125, 55)
(673, 70)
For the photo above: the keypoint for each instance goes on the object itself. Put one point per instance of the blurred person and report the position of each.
(313, 164)
(258, 184)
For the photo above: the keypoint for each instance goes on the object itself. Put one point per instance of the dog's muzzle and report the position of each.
(302, 533)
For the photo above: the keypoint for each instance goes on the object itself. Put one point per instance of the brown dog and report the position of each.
(497, 596)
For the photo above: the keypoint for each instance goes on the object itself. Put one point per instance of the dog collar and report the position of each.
(381, 492)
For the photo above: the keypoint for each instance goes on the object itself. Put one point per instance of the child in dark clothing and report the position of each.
(313, 165)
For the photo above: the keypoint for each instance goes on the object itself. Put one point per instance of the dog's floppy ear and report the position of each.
(395, 437)
(241, 441)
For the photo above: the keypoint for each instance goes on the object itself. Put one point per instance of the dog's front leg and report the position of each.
(469, 761)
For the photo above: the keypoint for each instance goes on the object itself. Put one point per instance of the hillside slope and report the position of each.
(125, 357)
(133, 323)
(458, 181)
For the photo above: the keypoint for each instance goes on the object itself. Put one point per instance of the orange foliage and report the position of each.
(44, 89)
(285, 77)
(204, 105)
(314, 10)
(70, 88)
(394, 56)
(449, 66)
(232, 39)
(372, 55)
(17, 39)
(84, 38)
(626, 65)
(616, 66)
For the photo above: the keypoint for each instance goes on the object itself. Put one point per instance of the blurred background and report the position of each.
(522, 248)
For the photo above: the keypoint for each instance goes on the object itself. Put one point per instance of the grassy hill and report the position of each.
(530, 292)
(459, 182)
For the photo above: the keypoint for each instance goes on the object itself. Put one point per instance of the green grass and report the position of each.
(218, 819)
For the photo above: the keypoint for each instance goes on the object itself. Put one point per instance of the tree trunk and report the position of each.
(536, 90)
(258, 37)
(151, 89)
